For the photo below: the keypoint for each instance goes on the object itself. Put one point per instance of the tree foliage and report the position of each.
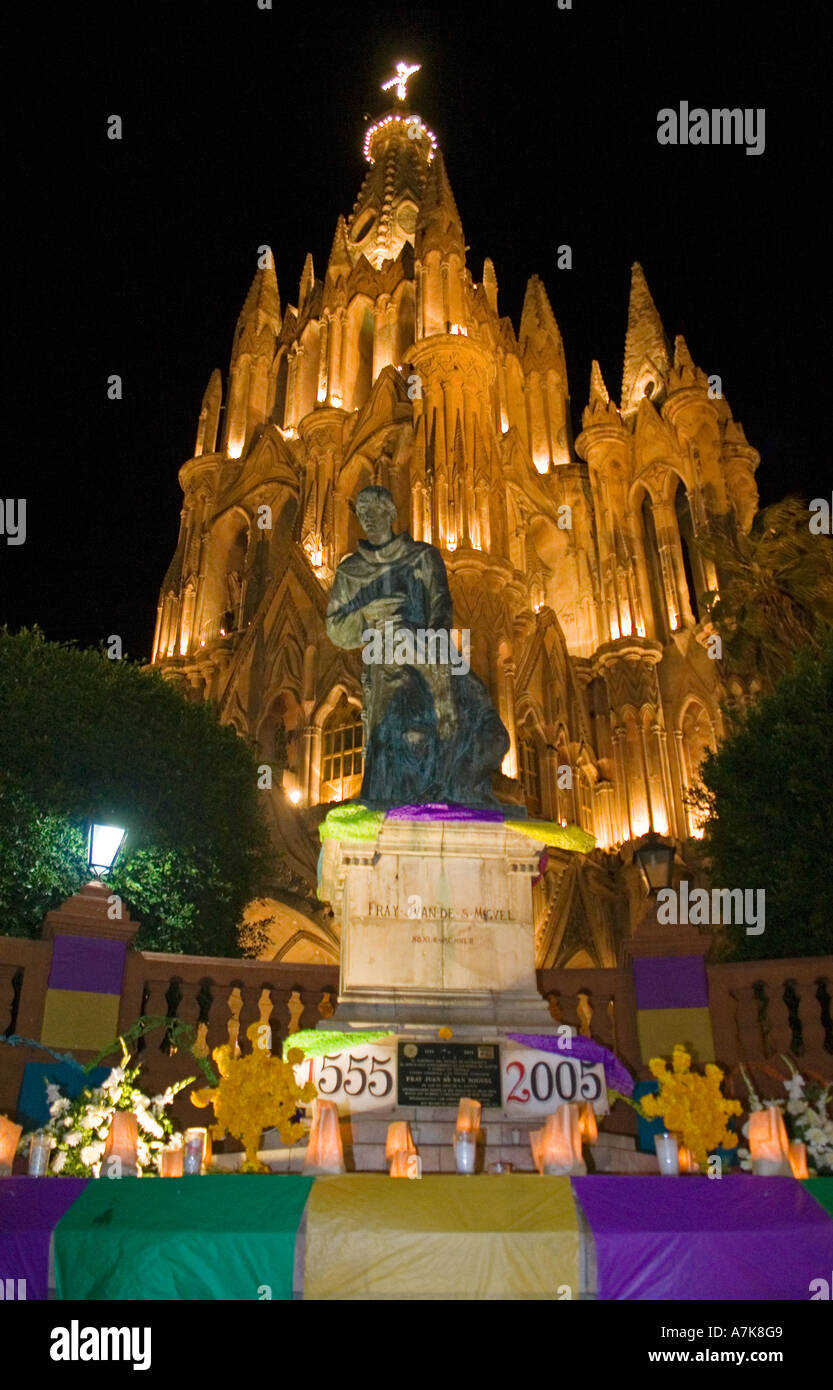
(770, 822)
(83, 737)
(776, 590)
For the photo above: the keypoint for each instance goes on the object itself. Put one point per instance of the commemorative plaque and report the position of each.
(442, 1073)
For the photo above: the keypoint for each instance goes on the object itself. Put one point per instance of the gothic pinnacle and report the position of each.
(598, 390)
(339, 263)
(307, 282)
(262, 305)
(539, 331)
(439, 221)
(490, 284)
(646, 350)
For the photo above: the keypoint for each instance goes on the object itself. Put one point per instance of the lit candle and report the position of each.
(40, 1146)
(170, 1163)
(468, 1115)
(195, 1141)
(121, 1145)
(325, 1152)
(465, 1150)
(9, 1140)
(798, 1159)
(588, 1127)
(768, 1143)
(556, 1149)
(406, 1165)
(399, 1139)
(668, 1155)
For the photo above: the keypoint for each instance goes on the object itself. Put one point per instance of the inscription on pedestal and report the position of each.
(442, 1073)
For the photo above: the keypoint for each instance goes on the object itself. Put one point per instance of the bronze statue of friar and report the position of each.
(431, 733)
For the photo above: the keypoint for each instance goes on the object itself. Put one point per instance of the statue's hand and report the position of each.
(384, 610)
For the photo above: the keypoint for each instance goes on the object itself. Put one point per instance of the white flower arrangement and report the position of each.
(79, 1127)
(805, 1116)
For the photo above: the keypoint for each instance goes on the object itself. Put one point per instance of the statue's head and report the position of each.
(376, 511)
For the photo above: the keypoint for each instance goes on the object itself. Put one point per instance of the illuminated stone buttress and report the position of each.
(573, 565)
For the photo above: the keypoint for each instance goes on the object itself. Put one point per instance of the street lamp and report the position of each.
(103, 845)
(656, 862)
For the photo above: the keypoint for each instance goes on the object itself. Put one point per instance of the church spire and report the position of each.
(261, 307)
(490, 284)
(252, 352)
(209, 415)
(539, 338)
(307, 282)
(646, 350)
(439, 227)
(339, 264)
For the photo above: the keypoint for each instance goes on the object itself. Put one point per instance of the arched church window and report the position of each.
(342, 759)
(652, 559)
(691, 559)
(530, 771)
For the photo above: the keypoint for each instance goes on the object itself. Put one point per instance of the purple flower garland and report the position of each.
(617, 1076)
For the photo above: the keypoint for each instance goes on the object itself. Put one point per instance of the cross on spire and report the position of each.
(400, 81)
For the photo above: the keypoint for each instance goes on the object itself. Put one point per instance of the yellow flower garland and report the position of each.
(691, 1106)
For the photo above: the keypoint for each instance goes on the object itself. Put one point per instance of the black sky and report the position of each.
(244, 126)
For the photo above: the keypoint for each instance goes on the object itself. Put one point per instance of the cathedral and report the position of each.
(573, 563)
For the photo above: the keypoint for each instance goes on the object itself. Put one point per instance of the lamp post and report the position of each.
(656, 863)
(103, 845)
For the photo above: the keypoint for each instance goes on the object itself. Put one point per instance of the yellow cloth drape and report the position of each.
(441, 1237)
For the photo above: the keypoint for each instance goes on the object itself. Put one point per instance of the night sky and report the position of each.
(244, 126)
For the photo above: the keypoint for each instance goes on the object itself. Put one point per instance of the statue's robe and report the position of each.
(431, 733)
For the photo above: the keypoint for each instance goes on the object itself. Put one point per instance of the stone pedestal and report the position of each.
(436, 927)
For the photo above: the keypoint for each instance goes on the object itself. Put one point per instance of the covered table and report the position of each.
(366, 1236)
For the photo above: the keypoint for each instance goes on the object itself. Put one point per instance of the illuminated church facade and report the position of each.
(572, 563)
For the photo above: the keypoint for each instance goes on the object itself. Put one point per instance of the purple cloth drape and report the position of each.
(439, 811)
(30, 1209)
(737, 1237)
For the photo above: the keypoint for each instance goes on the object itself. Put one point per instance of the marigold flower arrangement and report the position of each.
(80, 1127)
(690, 1105)
(256, 1092)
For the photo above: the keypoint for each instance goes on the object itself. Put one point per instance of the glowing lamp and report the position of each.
(399, 1140)
(295, 796)
(103, 845)
(9, 1140)
(588, 1128)
(656, 863)
(797, 1155)
(768, 1144)
(325, 1153)
(121, 1144)
(556, 1149)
